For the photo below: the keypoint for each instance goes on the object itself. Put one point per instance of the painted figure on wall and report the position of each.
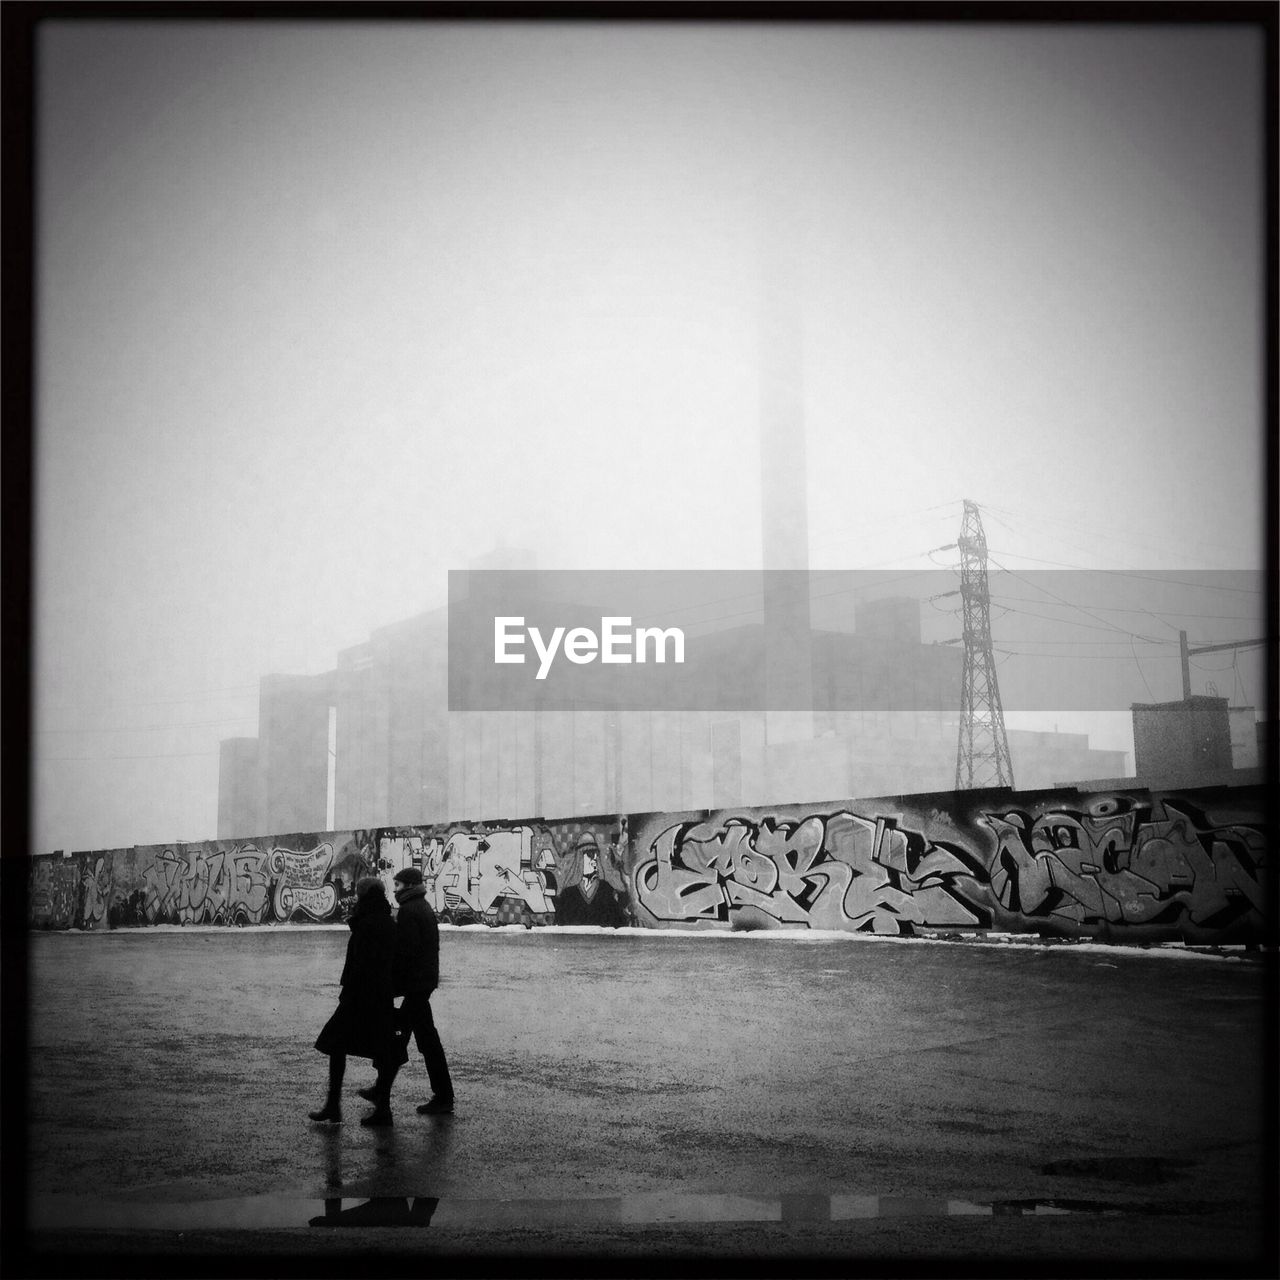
(127, 900)
(585, 897)
(128, 912)
(356, 857)
(96, 882)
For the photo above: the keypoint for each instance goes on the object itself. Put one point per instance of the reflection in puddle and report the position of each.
(1136, 1169)
(57, 1213)
(381, 1211)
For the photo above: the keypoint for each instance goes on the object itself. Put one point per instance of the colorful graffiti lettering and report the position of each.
(492, 875)
(249, 890)
(188, 885)
(395, 852)
(1121, 862)
(1126, 865)
(836, 871)
(161, 889)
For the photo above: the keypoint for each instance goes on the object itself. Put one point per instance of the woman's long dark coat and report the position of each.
(363, 1025)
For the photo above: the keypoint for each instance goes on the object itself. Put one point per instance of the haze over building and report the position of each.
(866, 709)
(325, 309)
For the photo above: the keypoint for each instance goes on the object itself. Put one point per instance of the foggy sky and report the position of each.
(326, 310)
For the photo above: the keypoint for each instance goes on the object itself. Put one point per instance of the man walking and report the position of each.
(416, 974)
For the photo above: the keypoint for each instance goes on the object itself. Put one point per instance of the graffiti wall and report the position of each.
(531, 873)
(835, 869)
(242, 882)
(1122, 866)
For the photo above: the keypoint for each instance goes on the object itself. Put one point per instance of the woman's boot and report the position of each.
(380, 1116)
(331, 1112)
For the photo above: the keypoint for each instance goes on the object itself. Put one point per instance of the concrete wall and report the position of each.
(1125, 866)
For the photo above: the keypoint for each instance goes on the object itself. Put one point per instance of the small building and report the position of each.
(1182, 741)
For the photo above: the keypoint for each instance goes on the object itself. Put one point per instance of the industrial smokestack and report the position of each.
(784, 514)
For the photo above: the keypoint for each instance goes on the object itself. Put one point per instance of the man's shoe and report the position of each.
(330, 1113)
(370, 1094)
(437, 1107)
(379, 1119)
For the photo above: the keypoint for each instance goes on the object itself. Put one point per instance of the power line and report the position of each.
(151, 728)
(1150, 696)
(1108, 537)
(1073, 657)
(1093, 644)
(1074, 527)
(163, 755)
(1106, 626)
(1200, 666)
(1100, 625)
(1239, 679)
(200, 696)
(757, 596)
(1133, 573)
(845, 533)
(1159, 616)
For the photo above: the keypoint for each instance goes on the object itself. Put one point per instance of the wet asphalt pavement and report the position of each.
(633, 1096)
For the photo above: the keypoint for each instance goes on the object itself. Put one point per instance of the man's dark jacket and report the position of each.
(417, 959)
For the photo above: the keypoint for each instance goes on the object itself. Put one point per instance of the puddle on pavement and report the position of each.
(1139, 1170)
(61, 1213)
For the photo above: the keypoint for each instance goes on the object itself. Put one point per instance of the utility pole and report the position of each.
(982, 758)
(1186, 651)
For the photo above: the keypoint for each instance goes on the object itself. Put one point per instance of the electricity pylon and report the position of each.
(982, 759)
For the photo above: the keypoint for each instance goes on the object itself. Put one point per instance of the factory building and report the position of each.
(373, 743)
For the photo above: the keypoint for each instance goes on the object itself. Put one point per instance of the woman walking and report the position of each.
(364, 1022)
